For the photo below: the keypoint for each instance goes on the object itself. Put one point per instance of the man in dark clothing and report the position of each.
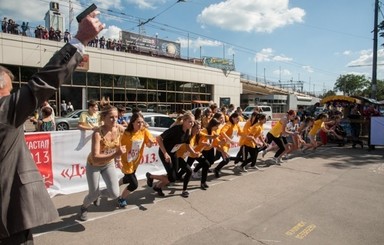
(24, 201)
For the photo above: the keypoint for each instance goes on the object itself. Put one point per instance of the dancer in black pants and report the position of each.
(169, 142)
(207, 136)
(254, 136)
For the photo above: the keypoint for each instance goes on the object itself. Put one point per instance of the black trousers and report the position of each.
(253, 152)
(279, 143)
(21, 238)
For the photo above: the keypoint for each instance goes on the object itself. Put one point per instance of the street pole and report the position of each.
(374, 59)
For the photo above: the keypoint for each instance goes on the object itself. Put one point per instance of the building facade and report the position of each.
(133, 80)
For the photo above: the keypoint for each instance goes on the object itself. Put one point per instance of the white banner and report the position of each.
(61, 158)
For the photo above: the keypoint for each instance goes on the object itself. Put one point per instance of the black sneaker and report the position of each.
(185, 194)
(83, 213)
(149, 179)
(159, 191)
(217, 173)
(204, 186)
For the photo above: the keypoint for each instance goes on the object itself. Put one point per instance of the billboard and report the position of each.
(220, 63)
(153, 45)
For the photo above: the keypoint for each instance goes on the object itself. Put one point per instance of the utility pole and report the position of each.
(374, 58)
(70, 15)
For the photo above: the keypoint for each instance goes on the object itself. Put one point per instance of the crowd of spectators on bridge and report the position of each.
(11, 27)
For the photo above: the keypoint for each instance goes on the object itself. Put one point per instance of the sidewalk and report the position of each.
(331, 196)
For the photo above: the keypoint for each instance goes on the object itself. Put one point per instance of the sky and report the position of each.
(276, 40)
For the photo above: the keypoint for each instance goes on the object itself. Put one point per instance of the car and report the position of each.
(156, 120)
(69, 121)
(318, 111)
(266, 110)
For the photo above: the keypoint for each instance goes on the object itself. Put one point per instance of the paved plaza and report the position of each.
(334, 195)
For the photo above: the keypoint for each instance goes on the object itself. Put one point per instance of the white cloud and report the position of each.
(364, 59)
(267, 54)
(283, 72)
(197, 43)
(347, 52)
(143, 4)
(363, 64)
(250, 15)
(281, 58)
(308, 69)
(112, 32)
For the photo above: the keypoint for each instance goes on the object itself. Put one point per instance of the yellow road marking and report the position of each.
(306, 231)
(295, 229)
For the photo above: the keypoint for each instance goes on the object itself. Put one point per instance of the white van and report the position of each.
(266, 110)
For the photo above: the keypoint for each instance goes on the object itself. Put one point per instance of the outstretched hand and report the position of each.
(89, 27)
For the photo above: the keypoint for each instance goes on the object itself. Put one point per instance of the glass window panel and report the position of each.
(26, 73)
(161, 85)
(179, 97)
(93, 94)
(171, 85)
(180, 86)
(187, 87)
(162, 96)
(171, 97)
(195, 87)
(106, 80)
(131, 95)
(119, 95)
(93, 79)
(152, 84)
(73, 95)
(152, 96)
(119, 81)
(187, 98)
(142, 96)
(79, 78)
(208, 89)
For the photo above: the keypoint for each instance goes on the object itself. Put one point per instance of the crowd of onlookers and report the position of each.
(10, 26)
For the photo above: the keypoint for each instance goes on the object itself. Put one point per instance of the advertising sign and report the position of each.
(154, 45)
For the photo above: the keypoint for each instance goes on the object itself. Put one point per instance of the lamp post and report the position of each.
(374, 58)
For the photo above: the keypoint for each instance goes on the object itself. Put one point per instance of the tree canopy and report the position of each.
(351, 84)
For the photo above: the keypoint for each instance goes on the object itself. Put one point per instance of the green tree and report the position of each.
(328, 93)
(381, 30)
(380, 90)
(351, 84)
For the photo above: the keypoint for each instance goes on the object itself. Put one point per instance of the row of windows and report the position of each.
(126, 90)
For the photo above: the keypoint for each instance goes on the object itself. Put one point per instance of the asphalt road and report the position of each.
(334, 195)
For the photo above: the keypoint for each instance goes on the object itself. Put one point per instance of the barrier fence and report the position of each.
(61, 158)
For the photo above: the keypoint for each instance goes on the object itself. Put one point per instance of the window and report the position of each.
(163, 122)
(79, 78)
(93, 79)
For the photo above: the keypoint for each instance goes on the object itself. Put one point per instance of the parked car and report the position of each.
(69, 121)
(264, 109)
(318, 111)
(157, 120)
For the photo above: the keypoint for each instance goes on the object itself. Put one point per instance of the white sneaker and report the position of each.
(254, 167)
(236, 169)
(276, 161)
(243, 169)
(263, 153)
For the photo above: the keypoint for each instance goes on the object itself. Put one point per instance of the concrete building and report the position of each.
(148, 81)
